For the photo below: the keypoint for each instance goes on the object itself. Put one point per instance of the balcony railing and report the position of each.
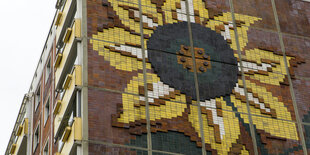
(20, 139)
(65, 58)
(64, 18)
(21, 121)
(61, 108)
(72, 133)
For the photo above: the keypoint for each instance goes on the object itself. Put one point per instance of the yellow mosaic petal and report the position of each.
(242, 30)
(281, 127)
(230, 123)
(171, 109)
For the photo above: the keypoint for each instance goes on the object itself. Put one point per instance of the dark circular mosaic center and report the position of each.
(170, 55)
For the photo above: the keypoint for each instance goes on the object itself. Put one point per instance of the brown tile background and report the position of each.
(294, 16)
(257, 8)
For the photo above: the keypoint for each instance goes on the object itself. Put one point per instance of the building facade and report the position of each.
(170, 77)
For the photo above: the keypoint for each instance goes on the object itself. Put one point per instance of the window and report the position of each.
(36, 137)
(46, 111)
(37, 98)
(46, 150)
(47, 70)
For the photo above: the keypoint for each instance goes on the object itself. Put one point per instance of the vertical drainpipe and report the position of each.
(29, 112)
(147, 112)
(298, 119)
(195, 78)
(252, 128)
(53, 54)
(83, 60)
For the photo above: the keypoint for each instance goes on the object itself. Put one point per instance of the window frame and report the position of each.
(46, 147)
(47, 111)
(36, 137)
(37, 99)
(48, 69)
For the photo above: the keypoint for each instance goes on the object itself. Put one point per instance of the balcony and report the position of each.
(72, 133)
(64, 18)
(20, 145)
(63, 106)
(66, 57)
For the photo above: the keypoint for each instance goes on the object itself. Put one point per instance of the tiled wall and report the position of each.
(228, 82)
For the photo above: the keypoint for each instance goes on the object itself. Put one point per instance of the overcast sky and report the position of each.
(24, 26)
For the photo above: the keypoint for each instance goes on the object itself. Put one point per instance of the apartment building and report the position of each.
(170, 77)
(49, 119)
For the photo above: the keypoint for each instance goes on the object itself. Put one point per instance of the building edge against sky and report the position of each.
(102, 84)
(58, 68)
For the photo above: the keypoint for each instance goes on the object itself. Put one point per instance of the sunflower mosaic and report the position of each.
(171, 67)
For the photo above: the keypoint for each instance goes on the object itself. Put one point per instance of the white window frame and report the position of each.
(47, 110)
(48, 69)
(36, 139)
(46, 148)
(37, 99)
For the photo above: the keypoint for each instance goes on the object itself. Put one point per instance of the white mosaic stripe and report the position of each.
(133, 50)
(211, 105)
(251, 98)
(253, 66)
(226, 33)
(181, 13)
(145, 19)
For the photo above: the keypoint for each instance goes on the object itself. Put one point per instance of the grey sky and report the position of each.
(23, 31)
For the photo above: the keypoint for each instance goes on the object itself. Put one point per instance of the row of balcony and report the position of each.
(20, 143)
(66, 57)
(68, 79)
(64, 19)
(67, 129)
(64, 105)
